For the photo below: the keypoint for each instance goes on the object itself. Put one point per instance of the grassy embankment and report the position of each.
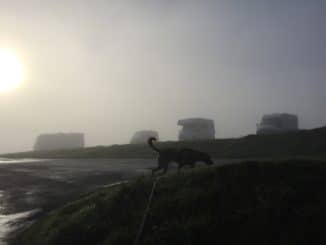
(305, 143)
(249, 203)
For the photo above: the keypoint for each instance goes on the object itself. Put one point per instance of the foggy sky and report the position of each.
(109, 68)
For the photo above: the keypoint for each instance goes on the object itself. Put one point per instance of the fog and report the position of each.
(110, 68)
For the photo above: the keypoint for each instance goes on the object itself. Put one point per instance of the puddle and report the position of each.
(21, 160)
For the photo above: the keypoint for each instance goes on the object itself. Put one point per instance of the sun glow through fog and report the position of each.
(11, 70)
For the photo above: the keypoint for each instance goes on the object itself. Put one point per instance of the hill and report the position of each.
(304, 143)
(249, 203)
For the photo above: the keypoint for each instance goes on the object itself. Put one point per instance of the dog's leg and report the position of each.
(179, 168)
(156, 169)
(166, 166)
(180, 165)
(162, 164)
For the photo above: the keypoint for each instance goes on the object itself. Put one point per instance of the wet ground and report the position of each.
(29, 188)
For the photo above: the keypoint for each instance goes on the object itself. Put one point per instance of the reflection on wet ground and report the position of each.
(11, 222)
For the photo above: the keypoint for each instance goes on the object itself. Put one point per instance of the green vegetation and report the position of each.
(248, 203)
(303, 143)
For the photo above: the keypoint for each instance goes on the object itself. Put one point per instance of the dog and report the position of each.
(182, 157)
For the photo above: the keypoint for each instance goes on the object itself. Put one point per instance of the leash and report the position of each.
(149, 202)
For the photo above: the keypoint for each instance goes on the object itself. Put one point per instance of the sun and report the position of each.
(11, 70)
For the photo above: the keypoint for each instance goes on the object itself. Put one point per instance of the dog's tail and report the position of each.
(150, 143)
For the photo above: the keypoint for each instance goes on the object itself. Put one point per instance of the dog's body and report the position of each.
(182, 157)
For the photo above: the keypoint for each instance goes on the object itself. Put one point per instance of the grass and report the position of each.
(252, 202)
